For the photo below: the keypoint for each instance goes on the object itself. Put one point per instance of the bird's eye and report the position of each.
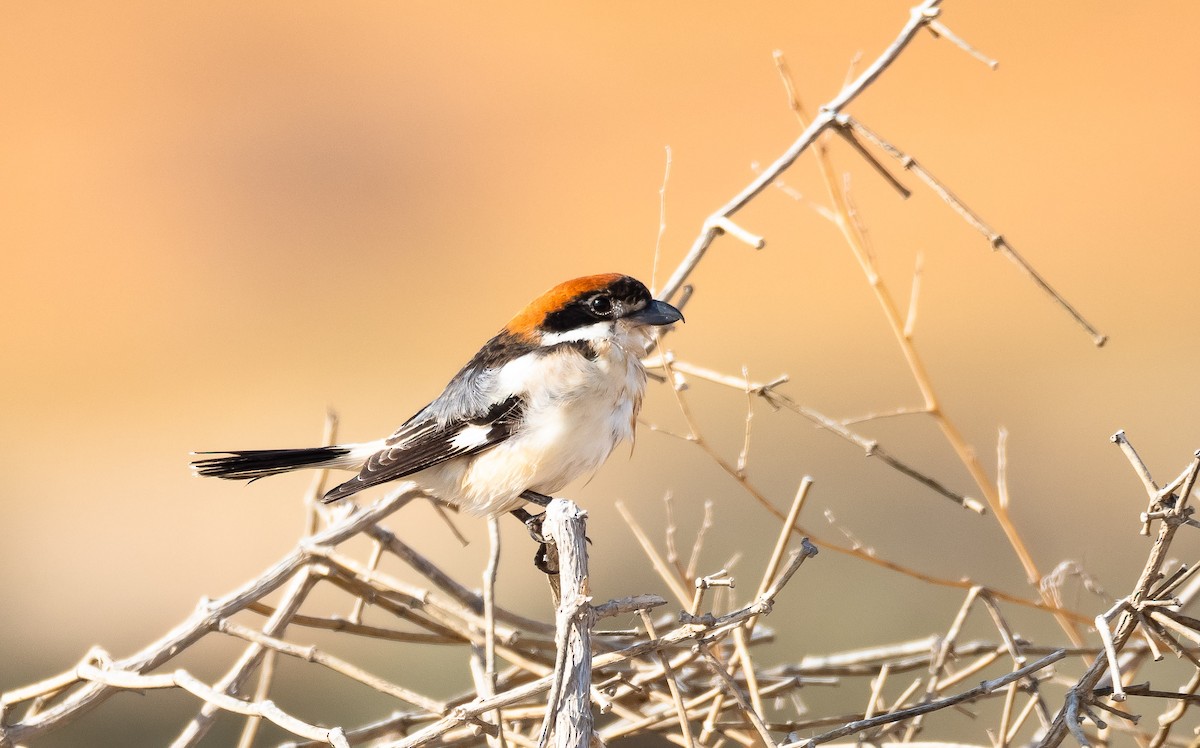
(601, 304)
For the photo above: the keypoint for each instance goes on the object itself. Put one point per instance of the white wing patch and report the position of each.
(471, 437)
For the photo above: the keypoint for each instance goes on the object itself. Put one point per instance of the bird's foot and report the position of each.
(541, 558)
(533, 522)
(543, 561)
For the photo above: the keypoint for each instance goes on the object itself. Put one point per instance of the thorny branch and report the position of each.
(1143, 602)
(831, 116)
(770, 392)
(722, 219)
(983, 689)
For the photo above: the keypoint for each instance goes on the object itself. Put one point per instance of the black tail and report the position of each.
(253, 464)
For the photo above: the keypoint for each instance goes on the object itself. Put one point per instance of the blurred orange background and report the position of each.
(220, 219)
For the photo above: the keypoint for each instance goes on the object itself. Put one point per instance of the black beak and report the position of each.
(656, 313)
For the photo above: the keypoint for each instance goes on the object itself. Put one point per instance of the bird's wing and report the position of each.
(426, 440)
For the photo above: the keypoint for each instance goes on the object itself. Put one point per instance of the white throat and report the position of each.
(600, 331)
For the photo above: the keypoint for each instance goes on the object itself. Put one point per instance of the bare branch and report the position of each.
(983, 689)
(937, 28)
(919, 17)
(994, 238)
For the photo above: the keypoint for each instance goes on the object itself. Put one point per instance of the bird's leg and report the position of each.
(533, 522)
(540, 499)
(541, 558)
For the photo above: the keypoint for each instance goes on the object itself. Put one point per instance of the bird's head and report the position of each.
(594, 308)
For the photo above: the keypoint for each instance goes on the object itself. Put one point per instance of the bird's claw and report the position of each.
(543, 562)
(533, 522)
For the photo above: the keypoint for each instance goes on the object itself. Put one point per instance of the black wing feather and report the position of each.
(427, 438)
(424, 441)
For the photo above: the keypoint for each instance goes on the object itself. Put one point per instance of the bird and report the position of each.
(542, 403)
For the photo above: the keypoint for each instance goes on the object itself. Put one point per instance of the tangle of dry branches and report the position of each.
(691, 672)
